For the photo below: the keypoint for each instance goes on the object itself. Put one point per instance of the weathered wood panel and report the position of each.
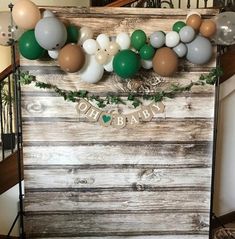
(77, 131)
(74, 177)
(148, 182)
(126, 154)
(139, 237)
(180, 107)
(118, 201)
(71, 224)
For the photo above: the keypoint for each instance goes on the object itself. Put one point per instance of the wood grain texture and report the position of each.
(86, 181)
(72, 224)
(74, 177)
(138, 237)
(58, 130)
(167, 201)
(126, 154)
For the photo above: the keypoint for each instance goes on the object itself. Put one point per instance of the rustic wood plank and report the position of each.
(180, 107)
(120, 12)
(74, 177)
(138, 237)
(72, 224)
(170, 201)
(113, 84)
(166, 130)
(158, 154)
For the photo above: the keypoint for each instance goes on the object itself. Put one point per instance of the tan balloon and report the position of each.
(194, 21)
(71, 58)
(101, 57)
(208, 28)
(165, 62)
(26, 14)
(113, 48)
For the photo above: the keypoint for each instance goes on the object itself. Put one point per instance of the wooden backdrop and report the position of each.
(86, 181)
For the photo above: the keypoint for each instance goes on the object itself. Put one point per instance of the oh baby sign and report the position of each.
(117, 120)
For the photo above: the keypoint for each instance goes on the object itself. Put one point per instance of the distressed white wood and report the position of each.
(160, 154)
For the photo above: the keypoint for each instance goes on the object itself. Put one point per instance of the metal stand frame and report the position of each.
(18, 129)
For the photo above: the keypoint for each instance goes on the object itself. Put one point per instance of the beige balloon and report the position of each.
(101, 57)
(113, 48)
(85, 33)
(26, 14)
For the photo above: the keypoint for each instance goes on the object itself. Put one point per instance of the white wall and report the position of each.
(225, 163)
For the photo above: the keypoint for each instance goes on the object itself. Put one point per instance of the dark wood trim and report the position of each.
(120, 3)
(9, 172)
(9, 70)
(6, 237)
(228, 64)
(223, 220)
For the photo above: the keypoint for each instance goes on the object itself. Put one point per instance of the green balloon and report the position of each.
(126, 63)
(147, 52)
(178, 25)
(72, 34)
(138, 39)
(29, 47)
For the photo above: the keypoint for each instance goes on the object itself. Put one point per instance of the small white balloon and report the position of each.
(146, 64)
(103, 41)
(109, 66)
(172, 39)
(53, 54)
(91, 72)
(123, 40)
(47, 13)
(90, 46)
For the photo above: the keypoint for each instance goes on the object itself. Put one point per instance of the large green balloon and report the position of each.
(138, 39)
(29, 47)
(126, 63)
(72, 34)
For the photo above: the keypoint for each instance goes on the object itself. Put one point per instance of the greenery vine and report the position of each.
(135, 98)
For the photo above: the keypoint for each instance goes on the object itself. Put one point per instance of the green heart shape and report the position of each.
(106, 118)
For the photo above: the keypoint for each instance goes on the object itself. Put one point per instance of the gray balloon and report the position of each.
(187, 34)
(157, 39)
(180, 50)
(199, 50)
(50, 33)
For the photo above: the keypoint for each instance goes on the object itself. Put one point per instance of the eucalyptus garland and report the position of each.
(136, 99)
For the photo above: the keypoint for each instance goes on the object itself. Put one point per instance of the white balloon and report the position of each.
(124, 41)
(109, 66)
(172, 39)
(90, 46)
(146, 64)
(47, 13)
(103, 41)
(53, 54)
(91, 72)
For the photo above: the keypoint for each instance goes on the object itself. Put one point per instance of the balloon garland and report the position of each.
(78, 51)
